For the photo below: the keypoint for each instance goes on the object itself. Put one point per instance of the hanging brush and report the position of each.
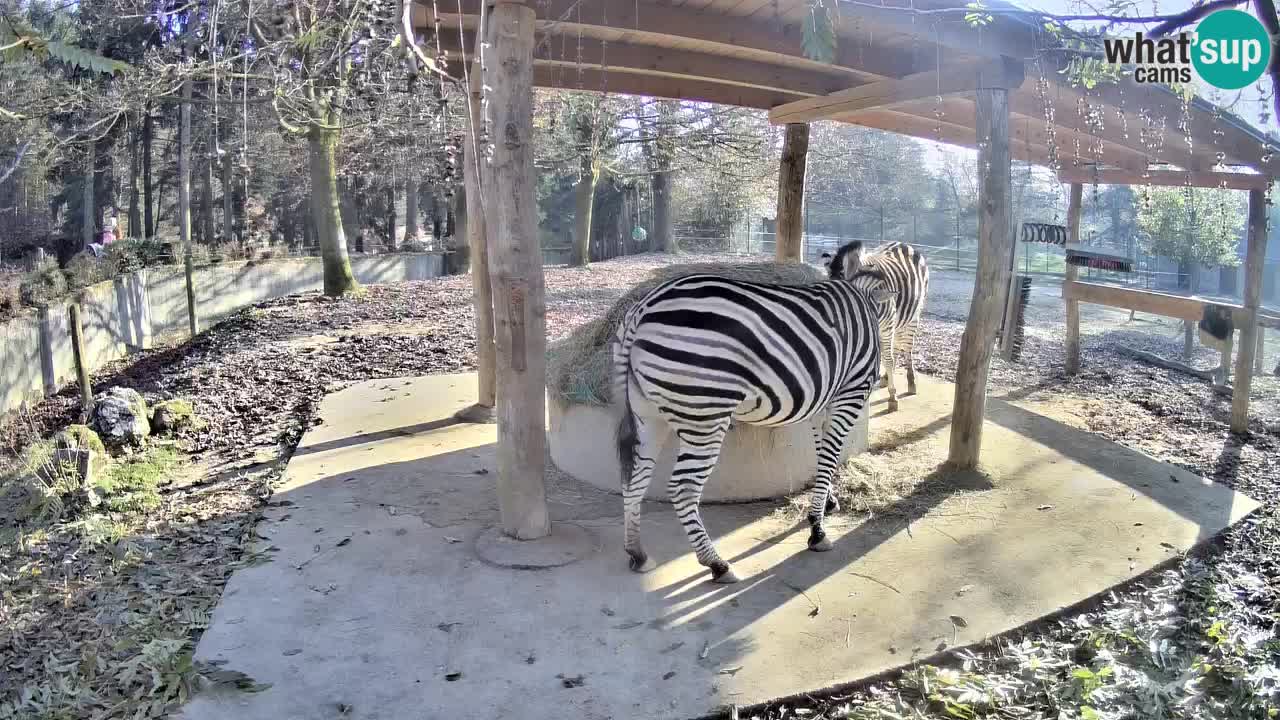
(1098, 260)
(1016, 318)
(1216, 326)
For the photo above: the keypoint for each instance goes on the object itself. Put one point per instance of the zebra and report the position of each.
(701, 351)
(907, 274)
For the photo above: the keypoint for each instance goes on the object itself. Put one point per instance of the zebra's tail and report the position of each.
(627, 437)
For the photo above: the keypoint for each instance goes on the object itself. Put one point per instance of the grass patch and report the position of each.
(133, 486)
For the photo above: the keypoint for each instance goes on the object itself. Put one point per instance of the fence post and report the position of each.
(47, 375)
(82, 367)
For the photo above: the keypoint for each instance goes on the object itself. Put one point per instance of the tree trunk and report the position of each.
(985, 310)
(518, 288)
(1250, 332)
(206, 206)
(393, 218)
(338, 278)
(662, 232)
(148, 201)
(789, 241)
(586, 193)
(87, 199)
(184, 202)
(135, 211)
(411, 208)
(1074, 205)
(228, 218)
(481, 283)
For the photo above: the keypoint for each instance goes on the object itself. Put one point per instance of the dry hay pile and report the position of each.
(578, 366)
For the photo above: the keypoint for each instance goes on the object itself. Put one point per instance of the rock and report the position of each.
(59, 481)
(172, 416)
(120, 416)
(79, 437)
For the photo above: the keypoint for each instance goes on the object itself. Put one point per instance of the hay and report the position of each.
(578, 366)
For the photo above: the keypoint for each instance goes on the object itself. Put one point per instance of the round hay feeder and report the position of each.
(755, 464)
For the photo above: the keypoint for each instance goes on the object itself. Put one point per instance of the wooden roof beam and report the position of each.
(631, 83)
(1004, 72)
(1165, 178)
(670, 62)
(652, 24)
(928, 129)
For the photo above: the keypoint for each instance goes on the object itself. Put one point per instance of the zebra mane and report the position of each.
(838, 265)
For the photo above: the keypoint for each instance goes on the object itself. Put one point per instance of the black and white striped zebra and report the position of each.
(701, 351)
(906, 273)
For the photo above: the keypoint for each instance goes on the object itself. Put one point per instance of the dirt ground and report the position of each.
(105, 628)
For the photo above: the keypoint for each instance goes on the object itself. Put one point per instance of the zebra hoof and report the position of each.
(723, 574)
(833, 505)
(820, 543)
(640, 561)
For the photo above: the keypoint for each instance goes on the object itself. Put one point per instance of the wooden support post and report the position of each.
(82, 363)
(482, 289)
(994, 239)
(1074, 204)
(1255, 255)
(791, 175)
(515, 269)
(1188, 339)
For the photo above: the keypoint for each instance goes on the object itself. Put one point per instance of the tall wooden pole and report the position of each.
(515, 269)
(1074, 205)
(1255, 254)
(995, 239)
(482, 289)
(82, 362)
(791, 174)
(184, 201)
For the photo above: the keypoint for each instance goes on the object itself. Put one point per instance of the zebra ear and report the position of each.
(826, 260)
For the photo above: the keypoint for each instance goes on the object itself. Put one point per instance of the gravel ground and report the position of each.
(105, 628)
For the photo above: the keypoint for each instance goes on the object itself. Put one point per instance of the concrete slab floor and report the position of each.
(376, 606)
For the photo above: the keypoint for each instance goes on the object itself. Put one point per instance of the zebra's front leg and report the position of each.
(845, 411)
(699, 450)
(888, 356)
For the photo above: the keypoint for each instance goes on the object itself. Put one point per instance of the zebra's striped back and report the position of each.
(773, 354)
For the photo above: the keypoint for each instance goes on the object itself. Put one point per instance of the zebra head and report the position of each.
(847, 261)
(876, 286)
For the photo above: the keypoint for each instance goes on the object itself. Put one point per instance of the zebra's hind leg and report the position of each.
(820, 429)
(646, 447)
(697, 456)
(845, 411)
(909, 349)
(888, 354)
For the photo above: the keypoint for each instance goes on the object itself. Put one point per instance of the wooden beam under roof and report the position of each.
(669, 62)
(568, 77)
(944, 132)
(1004, 37)
(1166, 178)
(886, 93)
(696, 30)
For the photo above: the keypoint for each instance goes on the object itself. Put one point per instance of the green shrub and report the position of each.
(10, 295)
(80, 437)
(125, 256)
(43, 286)
(85, 270)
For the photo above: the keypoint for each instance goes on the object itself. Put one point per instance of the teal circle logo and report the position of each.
(1232, 49)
